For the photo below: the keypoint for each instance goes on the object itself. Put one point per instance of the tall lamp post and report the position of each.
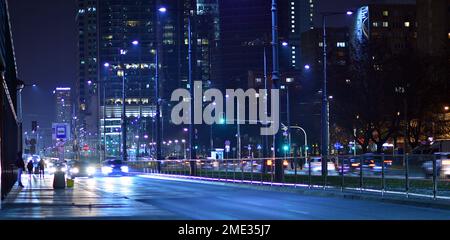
(20, 86)
(157, 100)
(325, 104)
(276, 83)
(124, 117)
(106, 65)
(192, 150)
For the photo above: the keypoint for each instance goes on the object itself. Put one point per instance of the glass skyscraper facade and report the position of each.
(117, 44)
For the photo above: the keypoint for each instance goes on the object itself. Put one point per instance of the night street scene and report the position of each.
(253, 110)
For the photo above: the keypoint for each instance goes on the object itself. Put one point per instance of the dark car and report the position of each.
(82, 169)
(114, 167)
(370, 164)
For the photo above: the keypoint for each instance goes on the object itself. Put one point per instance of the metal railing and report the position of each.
(410, 175)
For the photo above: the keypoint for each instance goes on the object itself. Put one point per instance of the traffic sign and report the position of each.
(61, 131)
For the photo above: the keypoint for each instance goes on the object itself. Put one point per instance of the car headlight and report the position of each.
(74, 170)
(124, 169)
(107, 170)
(90, 170)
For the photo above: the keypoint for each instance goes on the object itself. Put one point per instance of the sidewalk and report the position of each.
(38, 200)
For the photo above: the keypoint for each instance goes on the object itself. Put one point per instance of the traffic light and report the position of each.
(222, 121)
(286, 147)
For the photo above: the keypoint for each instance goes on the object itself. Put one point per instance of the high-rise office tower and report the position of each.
(87, 85)
(63, 101)
(246, 30)
(117, 44)
(433, 27)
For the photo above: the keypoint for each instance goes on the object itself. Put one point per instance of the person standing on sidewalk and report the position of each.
(41, 168)
(21, 167)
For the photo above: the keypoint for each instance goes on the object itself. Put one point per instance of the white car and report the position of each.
(316, 166)
(442, 165)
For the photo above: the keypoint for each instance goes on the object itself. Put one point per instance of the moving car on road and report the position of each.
(442, 166)
(81, 169)
(316, 166)
(114, 167)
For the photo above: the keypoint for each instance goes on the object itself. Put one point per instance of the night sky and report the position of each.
(45, 42)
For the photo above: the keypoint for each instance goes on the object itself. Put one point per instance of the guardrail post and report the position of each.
(309, 172)
(251, 169)
(272, 172)
(383, 184)
(361, 162)
(407, 175)
(219, 173)
(234, 171)
(226, 170)
(326, 173)
(434, 177)
(212, 168)
(342, 172)
(263, 162)
(242, 170)
(295, 168)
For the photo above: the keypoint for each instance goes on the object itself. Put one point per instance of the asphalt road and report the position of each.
(147, 197)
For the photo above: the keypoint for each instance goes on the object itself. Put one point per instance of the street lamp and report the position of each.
(325, 105)
(106, 65)
(20, 86)
(192, 151)
(124, 117)
(276, 81)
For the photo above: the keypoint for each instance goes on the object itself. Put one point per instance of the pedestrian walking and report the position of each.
(30, 167)
(21, 167)
(41, 168)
